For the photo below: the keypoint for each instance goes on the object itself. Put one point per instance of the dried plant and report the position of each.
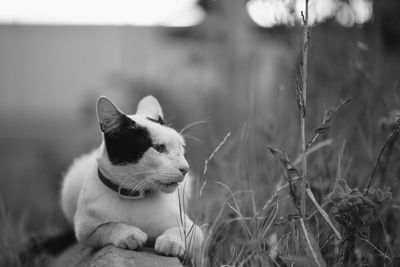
(355, 212)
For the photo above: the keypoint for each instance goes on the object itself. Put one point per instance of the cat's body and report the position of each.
(99, 198)
(144, 158)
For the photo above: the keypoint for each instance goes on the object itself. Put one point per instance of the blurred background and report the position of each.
(229, 64)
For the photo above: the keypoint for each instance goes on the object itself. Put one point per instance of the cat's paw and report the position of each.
(169, 246)
(130, 238)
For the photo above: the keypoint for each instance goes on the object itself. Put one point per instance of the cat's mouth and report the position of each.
(171, 184)
(168, 187)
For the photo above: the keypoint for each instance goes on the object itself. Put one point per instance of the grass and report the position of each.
(247, 199)
(246, 234)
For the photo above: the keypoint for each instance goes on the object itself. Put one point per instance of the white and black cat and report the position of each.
(125, 193)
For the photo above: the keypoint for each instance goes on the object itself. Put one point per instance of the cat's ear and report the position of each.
(150, 108)
(109, 116)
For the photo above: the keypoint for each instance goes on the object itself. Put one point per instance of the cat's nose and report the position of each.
(184, 170)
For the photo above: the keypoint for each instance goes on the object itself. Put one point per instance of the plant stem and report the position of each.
(303, 115)
(378, 160)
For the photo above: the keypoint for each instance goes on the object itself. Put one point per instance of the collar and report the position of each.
(123, 192)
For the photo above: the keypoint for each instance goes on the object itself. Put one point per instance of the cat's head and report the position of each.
(139, 151)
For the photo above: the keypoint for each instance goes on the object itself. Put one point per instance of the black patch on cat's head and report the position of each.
(159, 121)
(127, 143)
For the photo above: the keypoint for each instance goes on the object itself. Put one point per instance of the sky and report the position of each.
(269, 13)
(175, 13)
(102, 12)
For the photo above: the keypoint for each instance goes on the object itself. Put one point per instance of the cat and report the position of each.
(125, 193)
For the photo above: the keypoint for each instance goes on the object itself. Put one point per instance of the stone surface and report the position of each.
(82, 256)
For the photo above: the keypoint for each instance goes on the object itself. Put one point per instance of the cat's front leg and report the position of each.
(128, 237)
(118, 234)
(172, 242)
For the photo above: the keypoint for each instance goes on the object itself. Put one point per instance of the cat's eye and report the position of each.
(160, 148)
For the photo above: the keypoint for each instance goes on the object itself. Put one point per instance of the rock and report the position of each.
(82, 256)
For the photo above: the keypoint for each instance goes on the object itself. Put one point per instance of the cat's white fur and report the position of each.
(101, 216)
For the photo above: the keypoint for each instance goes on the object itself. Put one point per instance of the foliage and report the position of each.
(356, 212)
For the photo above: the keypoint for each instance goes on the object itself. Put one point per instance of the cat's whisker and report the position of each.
(135, 189)
(162, 175)
(149, 179)
(192, 137)
(143, 186)
(141, 172)
(121, 185)
(132, 176)
(192, 124)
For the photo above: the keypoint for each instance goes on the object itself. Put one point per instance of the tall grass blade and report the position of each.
(324, 214)
(210, 158)
(311, 247)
